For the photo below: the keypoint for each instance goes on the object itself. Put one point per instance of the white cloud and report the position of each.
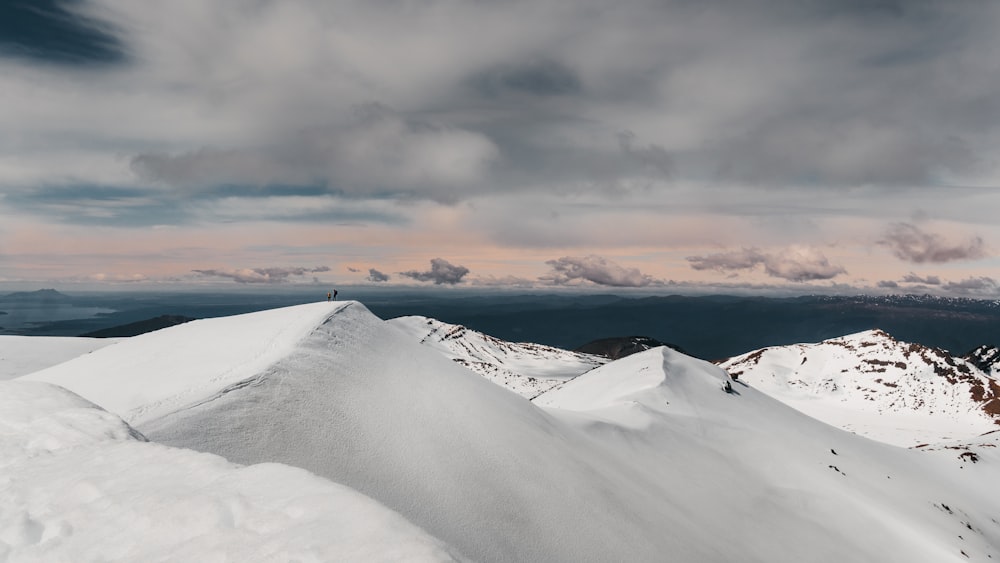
(594, 269)
(795, 263)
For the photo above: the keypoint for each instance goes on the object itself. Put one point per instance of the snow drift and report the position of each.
(78, 484)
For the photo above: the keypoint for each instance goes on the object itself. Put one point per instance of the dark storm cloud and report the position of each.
(796, 264)
(594, 269)
(927, 280)
(262, 275)
(441, 272)
(376, 276)
(55, 31)
(913, 244)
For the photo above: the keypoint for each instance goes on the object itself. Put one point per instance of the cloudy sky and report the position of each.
(801, 145)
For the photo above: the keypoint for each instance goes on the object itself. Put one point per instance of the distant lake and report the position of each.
(22, 318)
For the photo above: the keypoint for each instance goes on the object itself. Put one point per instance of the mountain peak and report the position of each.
(47, 295)
(875, 385)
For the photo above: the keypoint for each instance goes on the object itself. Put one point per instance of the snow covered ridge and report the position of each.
(635, 460)
(524, 368)
(183, 364)
(78, 484)
(877, 386)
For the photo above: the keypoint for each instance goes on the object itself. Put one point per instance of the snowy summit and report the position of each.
(870, 383)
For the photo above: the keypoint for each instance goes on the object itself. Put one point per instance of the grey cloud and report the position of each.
(888, 284)
(376, 276)
(441, 272)
(743, 259)
(594, 269)
(797, 264)
(652, 158)
(912, 244)
(377, 154)
(537, 77)
(261, 275)
(928, 280)
(981, 284)
(564, 98)
(801, 264)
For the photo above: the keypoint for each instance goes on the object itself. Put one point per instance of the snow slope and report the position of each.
(20, 355)
(153, 374)
(877, 386)
(642, 459)
(524, 368)
(78, 484)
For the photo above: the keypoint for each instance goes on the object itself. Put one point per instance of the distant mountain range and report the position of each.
(139, 327)
(708, 327)
(39, 296)
(714, 327)
(618, 347)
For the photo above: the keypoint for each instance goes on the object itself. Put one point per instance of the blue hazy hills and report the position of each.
(709, 327)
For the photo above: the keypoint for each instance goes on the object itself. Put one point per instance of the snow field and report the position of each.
(78, 485)
(21, 355)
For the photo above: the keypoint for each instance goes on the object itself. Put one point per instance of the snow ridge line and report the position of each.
(253, 380)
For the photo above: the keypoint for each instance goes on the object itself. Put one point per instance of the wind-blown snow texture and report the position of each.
(78, 484)
(877, 386)
(524, 368)
(642, 459)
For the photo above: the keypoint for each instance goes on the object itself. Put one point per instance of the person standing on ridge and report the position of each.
(327, 295)
(335, 295)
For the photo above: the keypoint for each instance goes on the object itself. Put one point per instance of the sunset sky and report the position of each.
(726, 145)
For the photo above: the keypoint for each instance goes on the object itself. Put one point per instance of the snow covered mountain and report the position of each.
(641, 459)
(874, 385)
(524, 368)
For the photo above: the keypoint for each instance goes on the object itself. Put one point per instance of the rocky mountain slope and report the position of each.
(524, 368)
(875, 385)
